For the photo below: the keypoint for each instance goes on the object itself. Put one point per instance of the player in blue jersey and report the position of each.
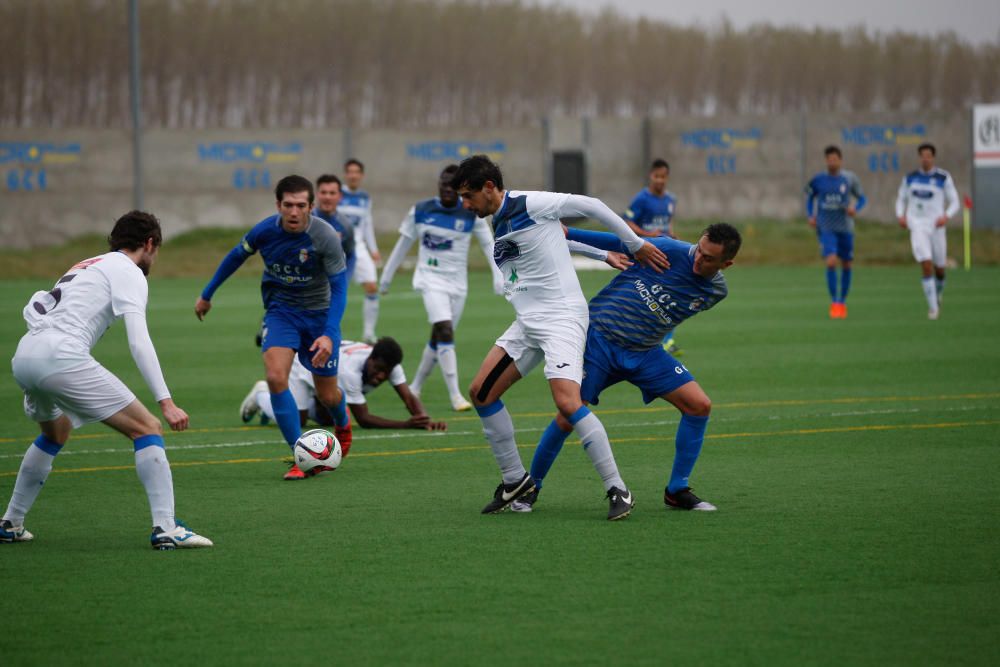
(831, 213)
(445, 230)
(651, 213)
(356, 209)
(628, 319)
(304, 287)
(329, 192)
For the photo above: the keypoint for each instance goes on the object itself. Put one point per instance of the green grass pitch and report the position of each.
(854, 464)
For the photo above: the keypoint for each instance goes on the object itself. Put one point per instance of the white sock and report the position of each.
(499, 430)
(595, 443)
(449, 367)
(264, 403)
(427, 361)
(930, 291)
(154, 472)
(35, 468)
(369, 314)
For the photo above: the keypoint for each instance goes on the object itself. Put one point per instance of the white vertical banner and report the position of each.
(986, 135)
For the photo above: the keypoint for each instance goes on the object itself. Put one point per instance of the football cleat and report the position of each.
(294, 473)
(10, 533)
(834, 311)
(459, 404)
(508, 493)
(620, 503)
(249, 407)
(933, 314)
(684, 499)
(526, 503)
(181, 537)
(344, 436)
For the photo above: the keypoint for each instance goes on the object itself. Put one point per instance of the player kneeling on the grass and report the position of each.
(363, 368)
(304, 288)
(551, 324)
(65, 387)
(444, 227)
(628, 319)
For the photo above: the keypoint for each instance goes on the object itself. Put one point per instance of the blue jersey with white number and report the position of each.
(640, 306)
(828, 196)
(652, 212)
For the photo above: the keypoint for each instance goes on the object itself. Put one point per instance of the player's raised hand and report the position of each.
(617, 260)
(201, 308)
(651, 256)
(851, 211)
(902, 221)
(812, 221)
(322, 348)
(177, 418)
(942, 221)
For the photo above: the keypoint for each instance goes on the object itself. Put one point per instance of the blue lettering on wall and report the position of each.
(249, 151)
(437, 151)
(26, 180)
(884, 135)
(886, 162)
(722, 137)
(720, 163)
(251, 179)
(34, 152)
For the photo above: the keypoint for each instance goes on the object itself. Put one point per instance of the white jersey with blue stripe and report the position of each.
(444, 234)
(356, 208)
(530, 251)
(923, 195)
(640, 306)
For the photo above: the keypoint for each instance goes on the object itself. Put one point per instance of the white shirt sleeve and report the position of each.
(144, 354)
(951, 194)
(585, 250)
(129, 293)
(368, 228)
(588, 207)
(407, 235)
(901, 199)
(397, 375)
(350, 384)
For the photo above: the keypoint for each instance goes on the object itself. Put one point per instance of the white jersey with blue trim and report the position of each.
(444, 234)
(922, 196)
(530, 251)
(351, 375)
(356, 208)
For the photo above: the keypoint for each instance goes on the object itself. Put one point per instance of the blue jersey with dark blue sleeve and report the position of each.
(828, 197)
(640, 306)
(650, 211)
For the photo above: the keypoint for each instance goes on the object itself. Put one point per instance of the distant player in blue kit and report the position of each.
(651, 213)
(830, 211)
(304, 287)
(628, 319)
(329, 193)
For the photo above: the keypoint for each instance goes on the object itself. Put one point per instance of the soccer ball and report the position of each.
(317, 451)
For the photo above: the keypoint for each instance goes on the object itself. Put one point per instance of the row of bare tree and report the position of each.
(427, 63)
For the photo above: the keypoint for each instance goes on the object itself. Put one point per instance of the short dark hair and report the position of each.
(355, 161)
(387, 351)
(928, 147)
(659, 163)
(328, 178)
(829, 150)
(449, 170)
(726, 235)
(132, 230)
(292, 184)
(474, 171)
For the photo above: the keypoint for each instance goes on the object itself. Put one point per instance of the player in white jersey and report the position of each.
(362, 368)
(356, 208)
(927, 198)
(65, 387)
(551, 324)
(444, 228)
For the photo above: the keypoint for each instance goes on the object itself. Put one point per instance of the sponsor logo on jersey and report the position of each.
(435, 242)
(303, 255)
(504, 251)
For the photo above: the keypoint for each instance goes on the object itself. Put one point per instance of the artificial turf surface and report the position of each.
(853, 462)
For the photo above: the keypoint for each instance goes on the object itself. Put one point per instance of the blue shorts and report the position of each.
(653, 371)
(297, 329)
(840, 244)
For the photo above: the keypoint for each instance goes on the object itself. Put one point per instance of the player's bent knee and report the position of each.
(563, 423)
(699, 407)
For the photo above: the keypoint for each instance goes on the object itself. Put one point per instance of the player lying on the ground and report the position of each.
(363, 368)
(304, 287)
(551, 323)
(628, 319)
(65, 387)
(444, 228)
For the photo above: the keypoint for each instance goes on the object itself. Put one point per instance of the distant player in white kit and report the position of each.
(356, 208)
(921, 207)
(552, 316)
(65, 387)
(444, 228)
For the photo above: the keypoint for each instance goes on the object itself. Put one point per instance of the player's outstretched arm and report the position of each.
(395, 260)
(144, 354)
(418, 417)
(901, 197)
(648, 254)
(232, 261)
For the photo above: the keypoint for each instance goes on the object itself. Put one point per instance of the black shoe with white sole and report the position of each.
(620, 503)
(684, 499)
(508, 493)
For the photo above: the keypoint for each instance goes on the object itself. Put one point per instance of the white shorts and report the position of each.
(364, 266)
(441, 306)
(559, 342)
(82, 389)
(302, 386)
(929, 243)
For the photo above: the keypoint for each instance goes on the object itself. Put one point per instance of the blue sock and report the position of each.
(845, 284)
(286, 413)
(50, 447)
(831, 283)
(151, 440)
(690, 435)
(546, 452)
(339, 412)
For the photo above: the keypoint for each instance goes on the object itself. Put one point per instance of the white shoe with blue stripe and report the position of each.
(10, 533)
(181, 537)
